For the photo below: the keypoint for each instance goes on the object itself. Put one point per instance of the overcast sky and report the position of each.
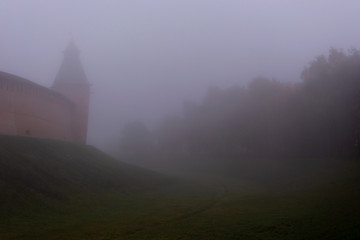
(144, 57)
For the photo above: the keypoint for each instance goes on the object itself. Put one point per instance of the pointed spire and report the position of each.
(71, 48)
(71, 70)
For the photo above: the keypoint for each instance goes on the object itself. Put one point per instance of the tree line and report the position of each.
(316, 117)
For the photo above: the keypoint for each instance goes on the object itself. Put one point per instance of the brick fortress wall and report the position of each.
(29, 109)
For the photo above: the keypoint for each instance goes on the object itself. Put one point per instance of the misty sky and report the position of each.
(144, 57)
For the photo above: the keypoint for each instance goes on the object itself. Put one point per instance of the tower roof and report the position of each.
(71, 48)
(71, 70)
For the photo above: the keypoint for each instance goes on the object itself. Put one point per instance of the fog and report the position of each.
(144, 58)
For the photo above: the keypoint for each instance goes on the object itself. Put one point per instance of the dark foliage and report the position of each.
(318, 117)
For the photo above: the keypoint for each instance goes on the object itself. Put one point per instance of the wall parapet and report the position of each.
(13, 83)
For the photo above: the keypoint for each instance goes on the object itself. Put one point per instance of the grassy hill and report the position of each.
(47, 170)
(58, 190)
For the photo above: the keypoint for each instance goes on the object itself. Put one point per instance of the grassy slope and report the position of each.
(41, 171)
(55, 190)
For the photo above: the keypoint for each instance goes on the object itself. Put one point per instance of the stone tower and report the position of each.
(72, 83)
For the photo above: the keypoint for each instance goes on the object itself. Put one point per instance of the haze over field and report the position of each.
(144, 58)
(224, 119)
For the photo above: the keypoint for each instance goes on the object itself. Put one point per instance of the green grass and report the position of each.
(105, 214)
(188, 211)
(325, 205)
